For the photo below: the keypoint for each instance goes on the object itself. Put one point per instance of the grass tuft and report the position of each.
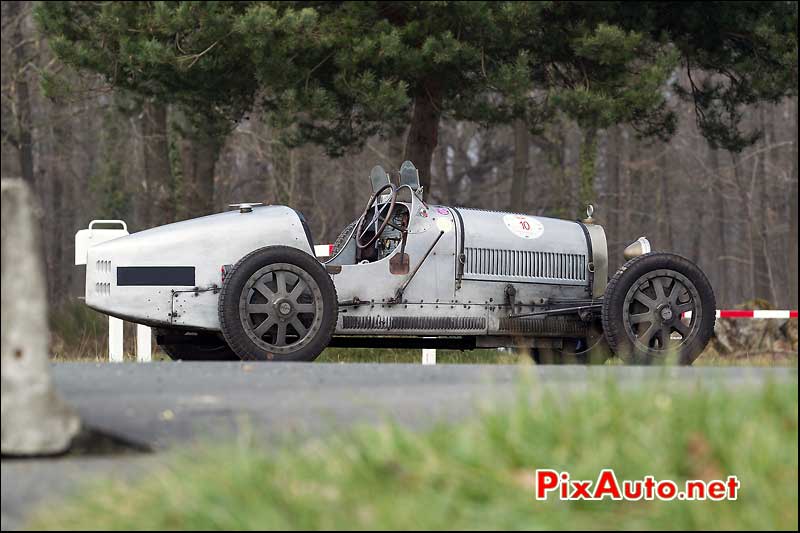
(393, 355)
(478, 474)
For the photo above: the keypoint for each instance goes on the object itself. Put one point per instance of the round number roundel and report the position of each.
(524, 226)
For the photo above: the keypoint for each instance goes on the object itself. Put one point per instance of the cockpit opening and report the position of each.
(383, 225)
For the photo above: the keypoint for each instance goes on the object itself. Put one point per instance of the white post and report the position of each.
(428, 356)
(144, 344)
(115, 339)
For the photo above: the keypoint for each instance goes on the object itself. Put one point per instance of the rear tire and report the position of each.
(278, 304)
(644, 306)
(343, 237)
(566, 355)
(590, 350)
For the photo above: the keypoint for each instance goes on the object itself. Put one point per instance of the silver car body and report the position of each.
(468, 270)
(137, 277)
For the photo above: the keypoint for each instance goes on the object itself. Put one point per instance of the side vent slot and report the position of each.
(525, 264)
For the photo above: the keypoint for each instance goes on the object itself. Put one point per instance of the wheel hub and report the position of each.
(284, 308)
(666, 313)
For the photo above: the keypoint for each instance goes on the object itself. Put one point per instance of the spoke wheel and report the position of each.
(657, 308)
(278, 304)
(655, 311)
(281, 308)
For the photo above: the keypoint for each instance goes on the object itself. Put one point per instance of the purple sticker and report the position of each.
(442, 210)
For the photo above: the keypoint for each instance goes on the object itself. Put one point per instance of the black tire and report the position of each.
(567, 355)
(263, 320)
(595, 349)
(590, 350)
(342, 239)
(194, 346)
(640, 319)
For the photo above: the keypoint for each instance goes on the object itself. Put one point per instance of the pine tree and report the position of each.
(336, 73)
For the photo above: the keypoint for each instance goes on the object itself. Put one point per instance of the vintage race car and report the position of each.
(246, 284)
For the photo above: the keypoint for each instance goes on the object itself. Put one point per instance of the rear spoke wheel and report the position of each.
(658, 307)
(661, 299)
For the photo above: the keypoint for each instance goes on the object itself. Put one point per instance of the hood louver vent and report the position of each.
(525, 264)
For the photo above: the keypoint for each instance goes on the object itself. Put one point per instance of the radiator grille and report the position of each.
(525, 264)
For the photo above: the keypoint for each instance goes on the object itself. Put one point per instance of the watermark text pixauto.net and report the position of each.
(550, 483)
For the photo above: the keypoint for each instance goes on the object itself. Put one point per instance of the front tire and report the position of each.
(278, 304)
(645, 307)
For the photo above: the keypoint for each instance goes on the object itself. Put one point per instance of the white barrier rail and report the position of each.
(144, 344)
(116, 341)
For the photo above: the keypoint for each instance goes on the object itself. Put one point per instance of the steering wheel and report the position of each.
(380, 219)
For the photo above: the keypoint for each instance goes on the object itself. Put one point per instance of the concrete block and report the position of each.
(35, 420)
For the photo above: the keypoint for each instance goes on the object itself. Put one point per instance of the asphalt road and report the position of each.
(167, 405)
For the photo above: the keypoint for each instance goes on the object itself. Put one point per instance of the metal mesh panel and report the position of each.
(550, 326)
(525, 264)
(438, 323)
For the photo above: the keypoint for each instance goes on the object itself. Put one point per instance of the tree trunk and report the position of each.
(588, 158)
(556, 154)
(23, 141)
(613, 161)
(761, 267)
(305, 188)
(700, 201)
(664, 207)
(791, 247)
(157, 206)
(199, 156)
(746, 207)
(519, 181)
(625, 194)
(395, 147)
(719, 201)
(347, 196)
(423, 135)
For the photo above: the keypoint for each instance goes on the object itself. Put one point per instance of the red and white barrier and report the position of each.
(751, 313)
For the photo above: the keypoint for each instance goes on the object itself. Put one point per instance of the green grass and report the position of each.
(77, 329)
(510, 357)
(78, 333)
(478, 474)
(711, 358)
